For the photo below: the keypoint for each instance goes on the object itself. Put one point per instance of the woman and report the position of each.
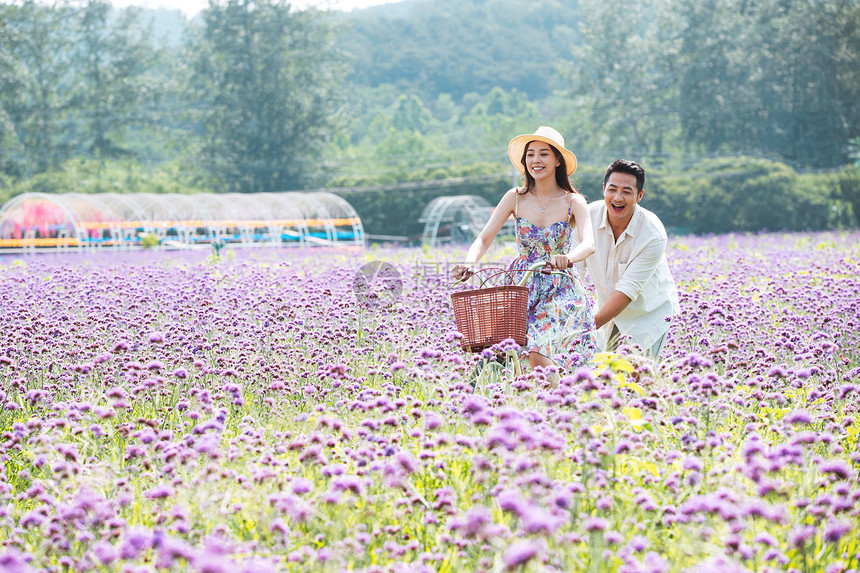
(546, 210)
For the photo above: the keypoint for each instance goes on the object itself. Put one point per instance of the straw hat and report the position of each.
(545, 134)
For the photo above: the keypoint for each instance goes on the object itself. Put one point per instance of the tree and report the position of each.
(625, 97)
(411, 115)
(774, 77)
(269, 85)
(115, 62)
(36, 70)
(499, 115)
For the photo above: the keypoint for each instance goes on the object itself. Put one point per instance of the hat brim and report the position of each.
(517, 147)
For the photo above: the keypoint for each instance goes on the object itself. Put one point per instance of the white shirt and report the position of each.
(636, 265)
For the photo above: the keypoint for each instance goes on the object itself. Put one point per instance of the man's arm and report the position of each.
(631, 283)
(616, 303)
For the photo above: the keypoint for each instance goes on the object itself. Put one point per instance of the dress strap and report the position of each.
(517, 217)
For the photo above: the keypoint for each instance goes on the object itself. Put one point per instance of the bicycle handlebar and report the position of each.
(544, 267)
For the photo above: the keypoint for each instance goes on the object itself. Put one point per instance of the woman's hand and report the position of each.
(461, 272)
(561, 262)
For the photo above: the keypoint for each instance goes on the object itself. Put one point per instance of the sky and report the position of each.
(192, 7)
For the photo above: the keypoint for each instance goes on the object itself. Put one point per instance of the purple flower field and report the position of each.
(169, 412)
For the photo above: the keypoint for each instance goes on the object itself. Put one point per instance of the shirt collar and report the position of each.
(635, 222)
(604, 221)
(632, 226)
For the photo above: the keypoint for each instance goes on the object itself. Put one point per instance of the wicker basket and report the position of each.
(487, 316)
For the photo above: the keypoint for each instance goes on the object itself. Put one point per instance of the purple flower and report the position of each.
(692, 463)
(845, 389)
(159, 492)
(639, 543)
(13, 562)
(120, 346)
(595, 524)
(406, 461)
(612, 537)
(799, 536)
(347, 483)
(837, 468)
(777, 372)
(105, 552)
(135, 540)
(512, 500)
(798, 417)
(432, 420)
(521, 552)
(655, 564)
(836, 530)
(476, 518)
(538, 520)
(155, 366)
(300, 485)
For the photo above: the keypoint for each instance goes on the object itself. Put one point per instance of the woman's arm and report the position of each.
(582, 219)
(485, 238)
(584, 231)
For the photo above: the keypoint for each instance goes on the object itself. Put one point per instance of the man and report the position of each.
(636, 294)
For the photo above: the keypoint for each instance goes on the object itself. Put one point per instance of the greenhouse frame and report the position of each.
(112, 220)
(457, 219)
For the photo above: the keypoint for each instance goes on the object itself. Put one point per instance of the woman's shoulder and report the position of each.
(578, 199)
(509, 199)
(512, 194)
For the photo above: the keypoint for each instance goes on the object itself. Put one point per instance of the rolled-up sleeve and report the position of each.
(641, 268)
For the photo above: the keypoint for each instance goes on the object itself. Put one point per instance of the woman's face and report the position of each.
(541, 161)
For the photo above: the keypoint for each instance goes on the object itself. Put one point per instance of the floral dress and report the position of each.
(560, 321)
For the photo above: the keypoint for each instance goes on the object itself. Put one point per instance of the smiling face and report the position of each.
(621, 197)
(541, 161)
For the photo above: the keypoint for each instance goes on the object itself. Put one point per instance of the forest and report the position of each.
(745, 113)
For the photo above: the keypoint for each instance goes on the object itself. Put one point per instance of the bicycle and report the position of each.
(488, 316)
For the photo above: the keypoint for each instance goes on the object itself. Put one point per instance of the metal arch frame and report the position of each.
(433, 218)
(70, 213)
(256, 212)
(147, 201)
(125, 235)
(438, 211)
(282, 199)
(348, 211)
(214, 229)
(260, 212)
(199, 210)
(215, 225)
(192, 208)
(107, 214)
(319, 212)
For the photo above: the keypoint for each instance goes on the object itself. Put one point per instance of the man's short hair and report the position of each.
(626, 166)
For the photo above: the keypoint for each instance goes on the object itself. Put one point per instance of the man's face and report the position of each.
(620, 195)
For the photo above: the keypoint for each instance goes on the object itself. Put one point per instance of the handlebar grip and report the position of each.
(570, 264)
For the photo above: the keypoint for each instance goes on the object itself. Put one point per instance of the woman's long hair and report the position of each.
(561, 178)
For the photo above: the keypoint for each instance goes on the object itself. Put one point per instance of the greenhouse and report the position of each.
(111, 220)
(457, 219)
